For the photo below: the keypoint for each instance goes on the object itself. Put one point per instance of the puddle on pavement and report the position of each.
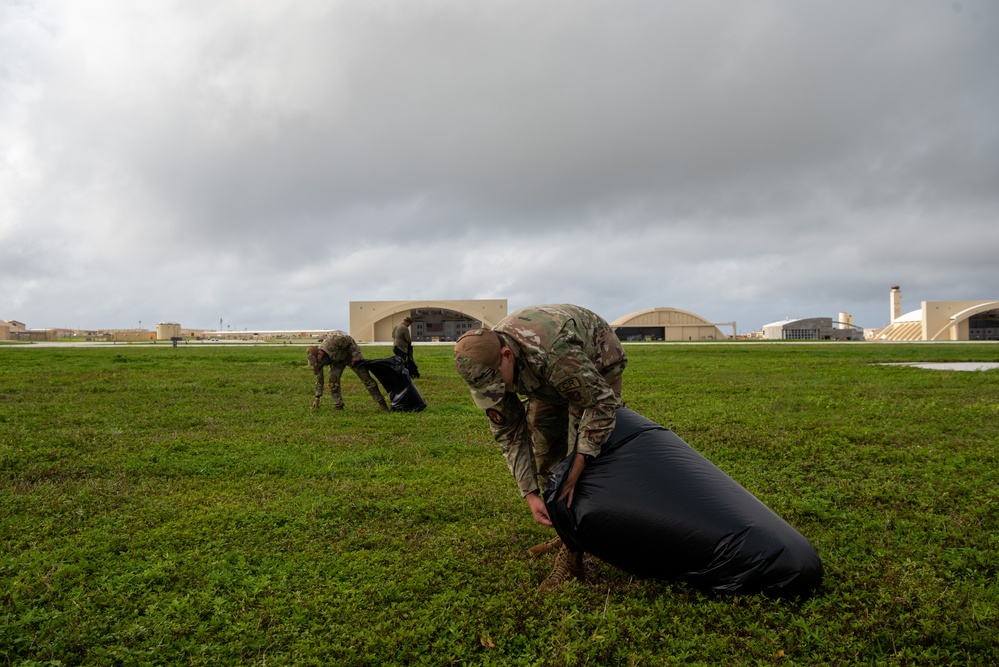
(950, 365)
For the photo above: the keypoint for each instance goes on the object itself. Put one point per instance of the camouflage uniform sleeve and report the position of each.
(354, 353)
(577, 380)
(508, 423)
(318, 371)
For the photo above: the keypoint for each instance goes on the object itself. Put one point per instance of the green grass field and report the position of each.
(186, 505)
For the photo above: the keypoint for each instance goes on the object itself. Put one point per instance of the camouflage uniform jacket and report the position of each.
(563, 353)
(341, 350)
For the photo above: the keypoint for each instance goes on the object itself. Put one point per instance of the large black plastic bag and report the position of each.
(654, 507)
(392, 373)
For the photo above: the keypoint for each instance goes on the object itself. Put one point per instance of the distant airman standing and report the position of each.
(402, 346)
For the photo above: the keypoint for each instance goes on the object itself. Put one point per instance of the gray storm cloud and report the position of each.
(730, 159)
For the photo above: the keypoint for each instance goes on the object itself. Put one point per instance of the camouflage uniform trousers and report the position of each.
(336, 370)
(554, 427)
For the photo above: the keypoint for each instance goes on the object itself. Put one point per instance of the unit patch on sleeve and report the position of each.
(574, 389)
(495, 416)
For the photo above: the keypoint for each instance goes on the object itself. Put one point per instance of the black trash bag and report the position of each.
(414, 371)
(407, 356)
(654, 507)
(392, 373)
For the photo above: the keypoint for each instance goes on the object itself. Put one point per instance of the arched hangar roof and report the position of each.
(372, 321)
(676, 324)
(659, 316)
(905, 327)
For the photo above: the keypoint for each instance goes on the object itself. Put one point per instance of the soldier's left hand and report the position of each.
(570, 481)
(538, 509)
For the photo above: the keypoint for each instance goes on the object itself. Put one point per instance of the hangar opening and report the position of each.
(984, 326)
(440, 324)
(641, 333)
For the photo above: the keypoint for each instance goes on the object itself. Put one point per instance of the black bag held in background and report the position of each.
(407, 356)
(392, 373)
(654, 507)
(414, 371)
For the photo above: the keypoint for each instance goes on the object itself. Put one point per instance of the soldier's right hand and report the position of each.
(315, 403)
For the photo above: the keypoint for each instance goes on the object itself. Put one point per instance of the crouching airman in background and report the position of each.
(340, 351)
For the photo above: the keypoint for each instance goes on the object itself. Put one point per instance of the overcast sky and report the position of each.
(264, 163)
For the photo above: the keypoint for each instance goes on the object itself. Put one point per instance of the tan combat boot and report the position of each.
(539, 550)
(568, 565)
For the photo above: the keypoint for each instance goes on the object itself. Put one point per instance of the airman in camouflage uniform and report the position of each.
(338, 351)
(568, 362)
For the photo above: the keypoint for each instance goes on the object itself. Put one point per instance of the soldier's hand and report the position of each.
(538, 509)
(570, 481)
(315, 403)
